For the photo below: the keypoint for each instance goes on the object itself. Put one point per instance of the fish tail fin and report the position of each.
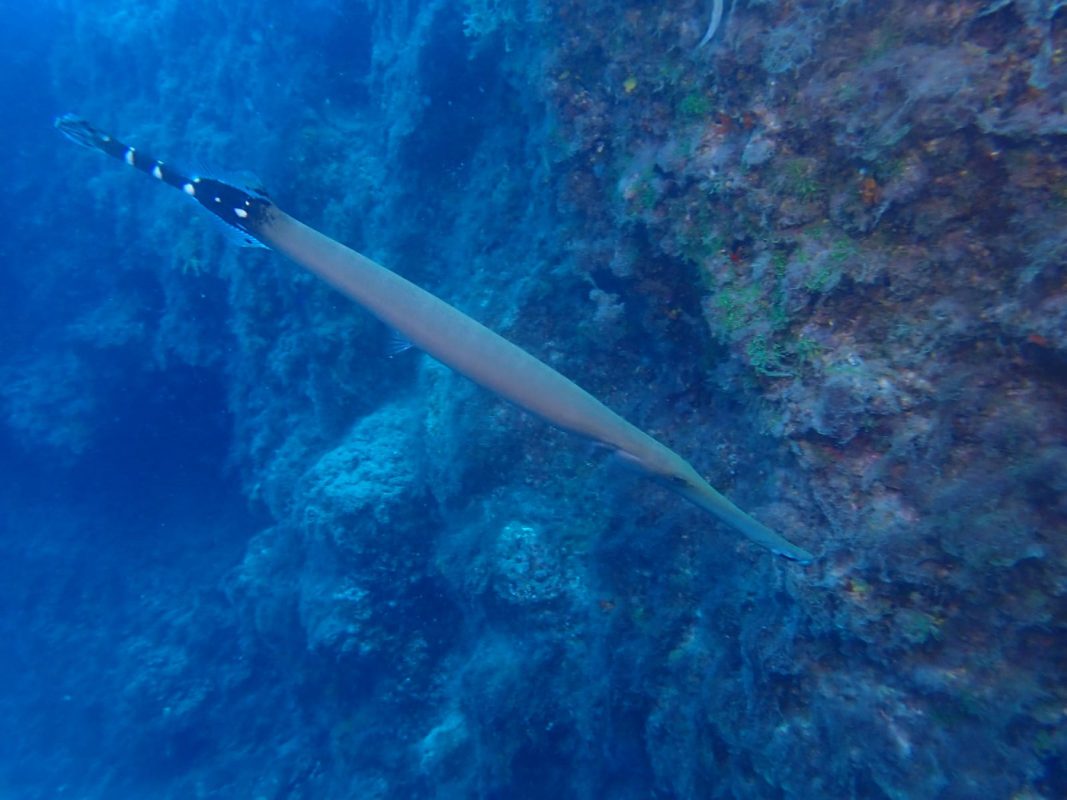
(81, 132)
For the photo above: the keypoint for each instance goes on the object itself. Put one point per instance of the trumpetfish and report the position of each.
(444, 332)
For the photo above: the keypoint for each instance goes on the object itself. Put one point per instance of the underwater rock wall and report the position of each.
(869, 199)
(821, 255)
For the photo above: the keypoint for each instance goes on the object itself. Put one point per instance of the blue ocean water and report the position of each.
(248, 550)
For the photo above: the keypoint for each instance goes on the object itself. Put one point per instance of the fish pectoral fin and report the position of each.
(398, 343)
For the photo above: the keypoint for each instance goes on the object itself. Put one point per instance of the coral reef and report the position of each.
(823, 257)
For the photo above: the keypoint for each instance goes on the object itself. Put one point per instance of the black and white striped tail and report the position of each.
(242, 209)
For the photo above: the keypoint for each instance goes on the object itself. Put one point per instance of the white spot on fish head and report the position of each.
(129, 156)
(157, 170)
(241, 213)
(189, 189)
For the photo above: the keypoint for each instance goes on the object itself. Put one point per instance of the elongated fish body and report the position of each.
(716, 18)
(444, 332)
